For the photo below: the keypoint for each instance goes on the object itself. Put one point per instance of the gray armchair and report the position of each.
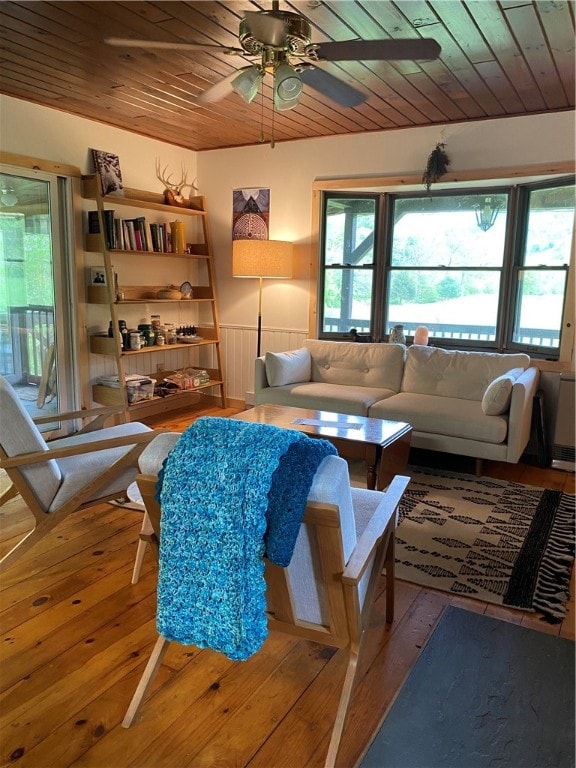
(55, 479)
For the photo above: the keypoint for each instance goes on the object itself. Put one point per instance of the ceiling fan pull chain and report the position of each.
(262, 115)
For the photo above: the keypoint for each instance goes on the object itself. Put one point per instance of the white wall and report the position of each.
(290, 168)
(28, 129)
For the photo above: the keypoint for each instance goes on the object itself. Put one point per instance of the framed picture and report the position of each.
(250, 213)
(97, 276)
(107, 166)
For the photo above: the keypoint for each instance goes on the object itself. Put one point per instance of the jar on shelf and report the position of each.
(178, 236)
(146, 329)
(155, 321)
(170, 333)
(160, 337)
(135, 340)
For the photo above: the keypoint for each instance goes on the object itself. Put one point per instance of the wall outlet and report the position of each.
(159, 367)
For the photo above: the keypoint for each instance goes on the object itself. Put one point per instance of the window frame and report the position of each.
(515, 238)
(523, 192)
(323, 267)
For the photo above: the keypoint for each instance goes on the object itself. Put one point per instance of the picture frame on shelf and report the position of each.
(107, 166)
(98, 276)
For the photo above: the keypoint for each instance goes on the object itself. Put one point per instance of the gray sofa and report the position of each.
(475, 404)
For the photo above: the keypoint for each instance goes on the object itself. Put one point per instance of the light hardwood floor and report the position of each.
(76, 635)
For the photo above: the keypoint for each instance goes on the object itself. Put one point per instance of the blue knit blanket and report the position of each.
(231, 493)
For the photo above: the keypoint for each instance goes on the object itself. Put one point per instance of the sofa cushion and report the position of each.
(497, 396)
(454, 373)
(287, 367)
(336, 398)
(455, 417)
(357, 365)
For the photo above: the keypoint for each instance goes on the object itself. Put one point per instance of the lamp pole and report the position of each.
(258, 345)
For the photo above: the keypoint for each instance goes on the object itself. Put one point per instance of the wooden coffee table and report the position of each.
(383, 445)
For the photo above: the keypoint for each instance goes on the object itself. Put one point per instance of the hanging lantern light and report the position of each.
(487, 212)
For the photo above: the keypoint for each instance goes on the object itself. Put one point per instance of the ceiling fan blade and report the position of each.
(222, 89)
(266, 28)
(121, 42)
(331, 86)
(379, 50)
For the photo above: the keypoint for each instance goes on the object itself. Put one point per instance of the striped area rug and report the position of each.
(494, 540)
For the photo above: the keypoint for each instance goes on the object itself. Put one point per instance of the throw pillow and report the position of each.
(497, 396)
(288, 367)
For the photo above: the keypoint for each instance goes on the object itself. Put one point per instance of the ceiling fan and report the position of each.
(280, 44)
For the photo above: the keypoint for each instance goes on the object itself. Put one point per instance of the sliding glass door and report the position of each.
(35, 307)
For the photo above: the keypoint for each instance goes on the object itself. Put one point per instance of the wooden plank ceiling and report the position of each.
(511, 57)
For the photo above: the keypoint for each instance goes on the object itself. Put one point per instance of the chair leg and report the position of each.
(342, 712)
(147, 677)
(389, 562)
(28, 541)
(146, 532)
(10, 493)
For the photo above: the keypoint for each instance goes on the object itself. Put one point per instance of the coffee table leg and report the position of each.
(393, 460)
(370, 476)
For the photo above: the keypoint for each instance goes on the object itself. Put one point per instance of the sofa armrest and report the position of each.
(520, 415)
(260, 378)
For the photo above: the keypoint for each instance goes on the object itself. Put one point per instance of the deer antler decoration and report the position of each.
(173, 190)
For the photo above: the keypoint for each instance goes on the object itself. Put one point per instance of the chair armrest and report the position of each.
(98, 414)
(384, 514)
(38, 457)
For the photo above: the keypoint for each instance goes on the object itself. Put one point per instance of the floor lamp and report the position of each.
(261, 259)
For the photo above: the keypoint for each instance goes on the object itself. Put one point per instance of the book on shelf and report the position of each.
(135, 234)
(93, 223)
(94, 226)
(160, 237)
(107, 166)
(130, 238)
(130, 379)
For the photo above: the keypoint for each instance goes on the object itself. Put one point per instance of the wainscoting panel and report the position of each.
(239, 352)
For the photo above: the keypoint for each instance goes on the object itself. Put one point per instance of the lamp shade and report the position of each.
(262, 258)
(247, 83)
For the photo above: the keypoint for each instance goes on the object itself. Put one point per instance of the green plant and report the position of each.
(436, 166)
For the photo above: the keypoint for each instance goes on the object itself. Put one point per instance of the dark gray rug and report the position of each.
(484, 693)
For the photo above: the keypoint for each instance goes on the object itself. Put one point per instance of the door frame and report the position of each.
(62, 181)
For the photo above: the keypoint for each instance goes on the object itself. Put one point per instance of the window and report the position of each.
(541, 270)
(348, 262)
(482, 268)
(445, 270)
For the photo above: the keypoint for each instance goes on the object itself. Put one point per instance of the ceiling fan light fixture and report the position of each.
(247, 84)
(287, 87)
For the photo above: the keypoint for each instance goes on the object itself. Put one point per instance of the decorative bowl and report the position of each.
(169, 293)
